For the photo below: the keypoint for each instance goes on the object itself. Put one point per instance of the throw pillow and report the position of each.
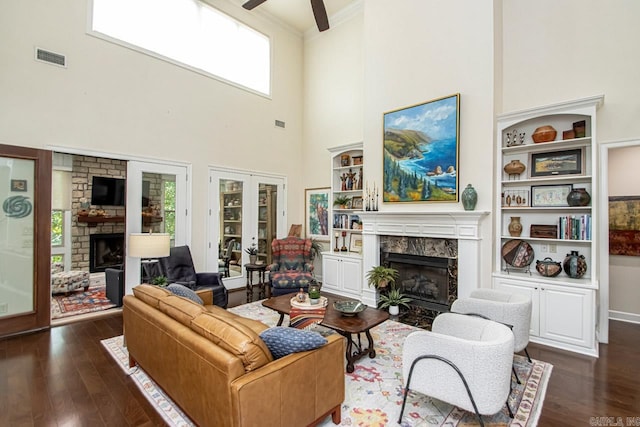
(282, 340)
(183, 291)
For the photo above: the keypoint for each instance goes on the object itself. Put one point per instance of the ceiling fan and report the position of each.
(319, 11)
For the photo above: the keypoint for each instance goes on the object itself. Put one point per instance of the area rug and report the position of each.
(80, 302)
(373, 392)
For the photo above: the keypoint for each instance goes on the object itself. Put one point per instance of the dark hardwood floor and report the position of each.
(64, 377)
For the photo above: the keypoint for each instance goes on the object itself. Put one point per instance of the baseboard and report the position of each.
(624, 317)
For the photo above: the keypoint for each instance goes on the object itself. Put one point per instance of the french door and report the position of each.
(25, 239)
(246, 210)
(157, 200)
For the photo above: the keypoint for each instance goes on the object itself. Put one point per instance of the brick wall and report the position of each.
(84, 168)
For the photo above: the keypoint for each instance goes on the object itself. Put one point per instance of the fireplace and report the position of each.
(455, 236)
(105, 251)
(430, 282)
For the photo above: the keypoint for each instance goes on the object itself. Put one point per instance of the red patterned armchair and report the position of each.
(292, 268)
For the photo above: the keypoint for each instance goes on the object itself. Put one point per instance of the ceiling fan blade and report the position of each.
(320, 13)
(253, 3)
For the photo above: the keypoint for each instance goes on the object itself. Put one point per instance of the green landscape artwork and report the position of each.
(421, 152)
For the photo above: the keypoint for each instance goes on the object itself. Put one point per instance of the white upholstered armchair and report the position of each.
(510, 309)
(464, 361)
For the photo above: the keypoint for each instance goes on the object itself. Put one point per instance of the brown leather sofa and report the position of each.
(213, 364)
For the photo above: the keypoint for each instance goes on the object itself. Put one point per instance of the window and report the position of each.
(169, 208)
(57, 228)
(191, 34)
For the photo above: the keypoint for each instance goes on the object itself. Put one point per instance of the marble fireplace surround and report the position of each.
(463, 226)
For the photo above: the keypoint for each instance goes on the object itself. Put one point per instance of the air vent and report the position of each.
(50, 57)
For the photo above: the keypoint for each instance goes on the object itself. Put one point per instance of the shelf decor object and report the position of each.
(565, 306)
(411, 171)
(567, 162)
(544, 134)
(578, 197)
(550, 195)
(518, 254)
(469, 198)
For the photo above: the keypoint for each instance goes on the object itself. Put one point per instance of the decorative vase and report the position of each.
(301, 296)
(578, 197)
(548, 267)
(394, 310)
(469, 198)
(514, 167)
(544, 134)
(253, 259)
(574, 265)
(515, 227)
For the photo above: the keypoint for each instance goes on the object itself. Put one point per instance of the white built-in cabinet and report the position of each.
(564, 309)
(342, 270)
(342, 274)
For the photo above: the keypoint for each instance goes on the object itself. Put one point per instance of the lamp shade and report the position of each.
(149, 245)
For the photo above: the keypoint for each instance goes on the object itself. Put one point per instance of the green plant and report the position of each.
(316, 248)
(160, 281)
(394, 297)
(380, 277)
(341, 200)
(252, 250)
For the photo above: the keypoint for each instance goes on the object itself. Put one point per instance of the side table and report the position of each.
(260, 268)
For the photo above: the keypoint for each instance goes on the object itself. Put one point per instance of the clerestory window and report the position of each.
(188, 33)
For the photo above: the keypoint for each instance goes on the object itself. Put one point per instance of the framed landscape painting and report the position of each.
(420, 151)
(317, 213)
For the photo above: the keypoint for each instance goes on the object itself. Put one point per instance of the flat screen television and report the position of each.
(108, 191)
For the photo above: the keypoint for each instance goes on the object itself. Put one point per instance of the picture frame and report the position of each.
(19, 185)
(566, 162)
(421, 152)
(355, 244)
(356, 202)
(316, 211)
(550, 195)
(624, 225)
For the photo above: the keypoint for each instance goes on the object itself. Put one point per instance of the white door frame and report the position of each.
(135, 170)
(251, 179)
(603, 324)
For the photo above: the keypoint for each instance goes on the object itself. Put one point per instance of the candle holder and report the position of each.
(344, 243)
(337, 249)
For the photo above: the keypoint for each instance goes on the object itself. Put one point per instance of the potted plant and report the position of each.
(341, 201)
(253, 253)
(160, 281)
(380, 277)
(394, 299)
(316, 248)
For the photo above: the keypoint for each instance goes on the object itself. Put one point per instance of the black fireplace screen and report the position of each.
(429, 281)
(106, 251)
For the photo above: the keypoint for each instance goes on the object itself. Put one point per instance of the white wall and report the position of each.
(563, 50)
(416, 51)
(624, 285)
(116, 100)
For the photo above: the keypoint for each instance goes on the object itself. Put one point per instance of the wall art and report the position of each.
(624, 225)
(317, 213)
(567, 162)
(420, 151)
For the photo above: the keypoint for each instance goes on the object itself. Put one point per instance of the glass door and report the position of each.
(156, 203)
(25, 239)
(244, 214)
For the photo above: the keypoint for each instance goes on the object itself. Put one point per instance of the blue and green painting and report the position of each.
(421, 152)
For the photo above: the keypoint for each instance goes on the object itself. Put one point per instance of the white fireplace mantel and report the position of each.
(463, 226)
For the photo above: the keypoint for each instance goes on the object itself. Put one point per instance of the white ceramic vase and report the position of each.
(394, 310)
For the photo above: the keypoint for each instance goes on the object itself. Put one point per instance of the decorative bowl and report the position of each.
(349, 308)
(544, 134)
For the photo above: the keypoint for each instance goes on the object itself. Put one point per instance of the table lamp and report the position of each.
(149, 247)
